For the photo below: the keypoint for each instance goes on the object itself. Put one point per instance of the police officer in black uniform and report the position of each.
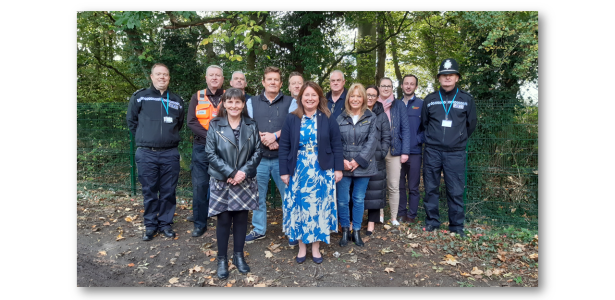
(155, 117)
(448, 117)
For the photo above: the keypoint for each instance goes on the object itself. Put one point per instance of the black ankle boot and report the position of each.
(356, 238)
(345, 237)
(240, 263)
(222, 267)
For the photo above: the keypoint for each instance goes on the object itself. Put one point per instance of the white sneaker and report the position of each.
(394, 223)
(381, 219)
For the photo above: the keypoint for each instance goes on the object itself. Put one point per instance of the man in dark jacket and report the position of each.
(337, 96)
(154, 118)
(269, 110)
(411, 169)
(238, 80)
(448, 117)
(203, 107)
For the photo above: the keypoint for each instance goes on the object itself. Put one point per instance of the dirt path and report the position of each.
(111, 253)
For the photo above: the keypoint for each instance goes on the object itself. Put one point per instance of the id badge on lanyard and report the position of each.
(167, 119)
(446, 122)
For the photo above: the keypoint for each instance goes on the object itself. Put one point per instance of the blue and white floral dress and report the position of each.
(310, 211)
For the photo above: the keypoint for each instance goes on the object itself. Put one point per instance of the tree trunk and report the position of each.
(396, 63)
(366, 63)
(382, 49)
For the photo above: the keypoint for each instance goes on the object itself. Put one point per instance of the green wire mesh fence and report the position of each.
(501, 172)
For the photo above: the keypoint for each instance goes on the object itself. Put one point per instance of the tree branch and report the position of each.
(177, 24)
(100, 62)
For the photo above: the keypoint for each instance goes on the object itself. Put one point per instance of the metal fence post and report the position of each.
(133, 167)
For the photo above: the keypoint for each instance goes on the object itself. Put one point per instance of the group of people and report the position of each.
(332, 156)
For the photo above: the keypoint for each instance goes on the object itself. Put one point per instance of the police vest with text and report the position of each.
(205, 110)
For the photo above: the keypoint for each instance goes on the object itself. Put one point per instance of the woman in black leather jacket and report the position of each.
(233, 151)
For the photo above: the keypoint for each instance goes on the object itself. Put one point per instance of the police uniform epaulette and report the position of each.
(138, 91)
(466, 92)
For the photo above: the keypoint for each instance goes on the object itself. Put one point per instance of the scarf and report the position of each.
(387, 106)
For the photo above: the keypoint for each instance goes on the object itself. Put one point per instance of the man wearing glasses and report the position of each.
(154, 118)
(411, 169)
(448, 117)
(400, 142)
(337, 96)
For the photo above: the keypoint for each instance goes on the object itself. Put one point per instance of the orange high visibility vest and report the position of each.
(205, 110)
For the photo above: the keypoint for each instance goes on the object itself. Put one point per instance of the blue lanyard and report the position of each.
(166, 108)
(449, 108)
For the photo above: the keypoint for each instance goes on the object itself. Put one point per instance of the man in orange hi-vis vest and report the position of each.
(203, 108)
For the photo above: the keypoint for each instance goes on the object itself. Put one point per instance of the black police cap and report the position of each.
(449, 66)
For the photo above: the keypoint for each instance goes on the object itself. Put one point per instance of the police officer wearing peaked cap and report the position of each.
(448, 118)
(155, 116)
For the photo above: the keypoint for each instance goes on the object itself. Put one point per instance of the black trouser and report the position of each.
(411, 172)
(373, 215)
(239, 220)
(453, 165)
(200, 185)
(158, 173)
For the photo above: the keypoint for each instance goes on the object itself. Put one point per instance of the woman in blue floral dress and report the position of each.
(311, 163)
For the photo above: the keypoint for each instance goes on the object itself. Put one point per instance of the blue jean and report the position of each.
(358, 197)
(267, 167)
(158, 173)
(200, 185)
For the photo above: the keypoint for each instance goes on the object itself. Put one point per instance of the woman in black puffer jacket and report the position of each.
(375, 196)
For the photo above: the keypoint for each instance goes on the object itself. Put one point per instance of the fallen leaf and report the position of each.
(106, 224)
(128, 219)
(274, 246)
(449, 259)
(384, 238)
(127, 209)
(274, 223)
(260, 285)
(365, 240)
(119, 237)
(488, 273)
(389, 270)
(464, 274)
(268, 254)
(211, 282)
(497, 271)
(476, 271)
(386, 250)
(196, 269)
(534, 256)
(414, 245)
(211, 253)
(502, 257)
(141, 282)
(412, 236)
(229, 285)
(387, 227)
(173, 280)
(131, 265)
(212, 259)
(103, 253)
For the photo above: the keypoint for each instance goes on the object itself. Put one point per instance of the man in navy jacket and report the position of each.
(411, 169)
(448, 117)
(337, 96)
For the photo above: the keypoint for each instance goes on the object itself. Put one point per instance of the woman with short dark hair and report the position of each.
(233, 150)
(375, 196)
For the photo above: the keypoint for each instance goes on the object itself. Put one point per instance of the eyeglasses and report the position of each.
(371, 96)
(386, 86)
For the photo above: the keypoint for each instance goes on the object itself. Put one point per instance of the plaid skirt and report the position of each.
(224, 196)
